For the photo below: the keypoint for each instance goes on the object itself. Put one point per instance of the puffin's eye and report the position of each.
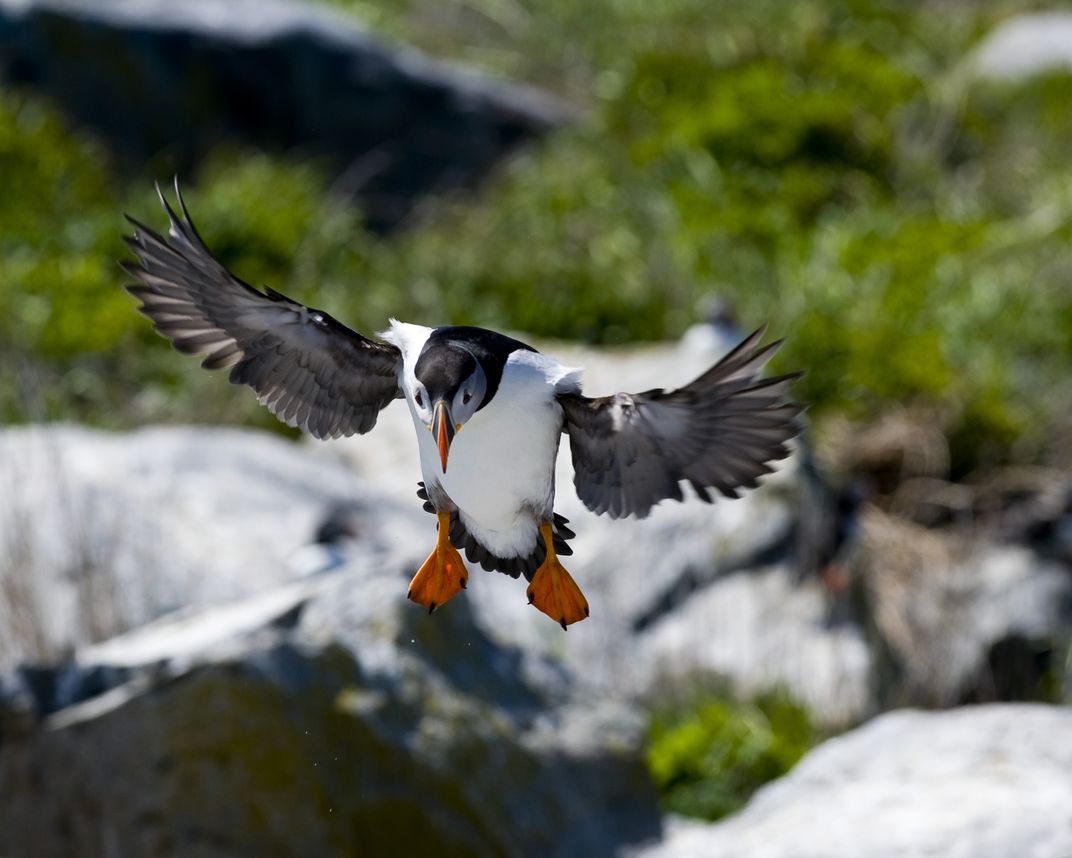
(466, 397)
(420, 399)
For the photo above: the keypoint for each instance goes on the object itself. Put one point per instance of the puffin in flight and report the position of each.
(488, 410)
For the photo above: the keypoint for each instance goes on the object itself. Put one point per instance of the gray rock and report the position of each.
(979, 782)
(154, 76)
(944, 609)
(764, 629)
(323, 718)
(1025, 45)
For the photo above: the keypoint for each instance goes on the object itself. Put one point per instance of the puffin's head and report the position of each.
(450, 388)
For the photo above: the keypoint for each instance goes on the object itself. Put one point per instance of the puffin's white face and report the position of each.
(448, 390)
(463, 405)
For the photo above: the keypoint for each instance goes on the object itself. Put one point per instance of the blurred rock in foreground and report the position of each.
(978, 782)
(322, 718)
(115, 530)
(158, 77)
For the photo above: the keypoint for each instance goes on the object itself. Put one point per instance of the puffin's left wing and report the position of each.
(631, 451)
(308, 369)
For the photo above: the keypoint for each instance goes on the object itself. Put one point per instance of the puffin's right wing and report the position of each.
(631, 451)
(308, 369)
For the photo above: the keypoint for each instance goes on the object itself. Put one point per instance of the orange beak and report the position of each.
(443, 430)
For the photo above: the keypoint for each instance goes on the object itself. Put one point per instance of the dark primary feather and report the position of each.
(308, 369)
(631, 451)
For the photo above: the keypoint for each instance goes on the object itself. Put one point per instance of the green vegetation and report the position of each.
(824, 165)
(708, 755)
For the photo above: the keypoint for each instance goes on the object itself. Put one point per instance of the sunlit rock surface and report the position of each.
(102, 532)
(978, 782)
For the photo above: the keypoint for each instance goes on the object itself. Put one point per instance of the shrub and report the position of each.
(711, 753)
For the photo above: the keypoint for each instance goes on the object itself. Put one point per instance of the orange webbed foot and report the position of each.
(443, 575)
(553, 589)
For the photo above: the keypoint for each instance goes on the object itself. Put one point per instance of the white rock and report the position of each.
(765, 629)
(979, 782)
(104, 531)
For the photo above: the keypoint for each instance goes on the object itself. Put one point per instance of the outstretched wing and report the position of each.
(631, 451)
(308, 369)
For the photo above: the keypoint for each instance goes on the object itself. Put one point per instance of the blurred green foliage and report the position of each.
(825, 165)
(709, 755)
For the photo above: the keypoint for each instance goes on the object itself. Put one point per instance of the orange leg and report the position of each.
(442, 575)
(553, 590)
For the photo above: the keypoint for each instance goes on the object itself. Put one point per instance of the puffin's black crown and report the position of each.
(451, 355)
(442, 368)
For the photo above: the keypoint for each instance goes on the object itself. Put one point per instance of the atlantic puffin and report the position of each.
(488, 410)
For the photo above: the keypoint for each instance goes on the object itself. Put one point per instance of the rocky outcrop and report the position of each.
(114, 531)
(978, 782)
(321, 718)
(169, 80)
(107, 532)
